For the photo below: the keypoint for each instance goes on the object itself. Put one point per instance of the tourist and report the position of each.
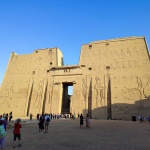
(81, 121)
(4, 123)
(148, 118)
(10, 116)
(2, 135)
(41, 124)
(87, 121)
(47, 121)
(37, 116)
(78, 115)
(17, 133)
(6, 117)
(141, 119)
(31, 116)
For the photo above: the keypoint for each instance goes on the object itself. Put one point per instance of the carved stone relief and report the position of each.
(6, 97)
(122, 52)
(130, 64)
(50, 93)
(99, 92)
(37, 103)
(129, 52)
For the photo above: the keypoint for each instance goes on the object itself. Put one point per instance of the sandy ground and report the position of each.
(65, 134)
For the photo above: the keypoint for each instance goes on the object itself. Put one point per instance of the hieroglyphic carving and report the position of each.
(128, 51)
(130, 64)
(99, 92)
(123, 52)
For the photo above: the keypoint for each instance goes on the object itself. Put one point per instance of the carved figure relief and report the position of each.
(37, 103)
(136, 65)
(6, 96)
(50, 93)
(130, 65)
(123, 52)
(99, 92)
(147, 88)
(125, 65)
(141, 87)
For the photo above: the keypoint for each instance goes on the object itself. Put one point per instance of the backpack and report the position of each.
(48, 119)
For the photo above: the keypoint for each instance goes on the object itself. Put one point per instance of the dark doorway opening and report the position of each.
(66, 97)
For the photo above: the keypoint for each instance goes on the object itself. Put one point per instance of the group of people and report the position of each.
(87, 120)
(144, 119)
(3, 126)
(56, 116)
(44, 121)
(6, 116)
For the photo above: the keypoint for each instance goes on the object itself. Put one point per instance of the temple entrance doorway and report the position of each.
(66, 97)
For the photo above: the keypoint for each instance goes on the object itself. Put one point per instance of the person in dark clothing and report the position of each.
(41, 124)
(31, 116)
(81, 121)
(37, 117)
(10, 116)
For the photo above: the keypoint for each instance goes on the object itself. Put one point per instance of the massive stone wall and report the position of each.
(112, 81)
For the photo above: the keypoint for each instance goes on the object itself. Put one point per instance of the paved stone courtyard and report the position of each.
(65, 134)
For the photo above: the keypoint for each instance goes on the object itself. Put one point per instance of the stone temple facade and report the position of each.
(111, 81)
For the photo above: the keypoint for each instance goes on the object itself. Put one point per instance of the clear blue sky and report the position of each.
(26, 25)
